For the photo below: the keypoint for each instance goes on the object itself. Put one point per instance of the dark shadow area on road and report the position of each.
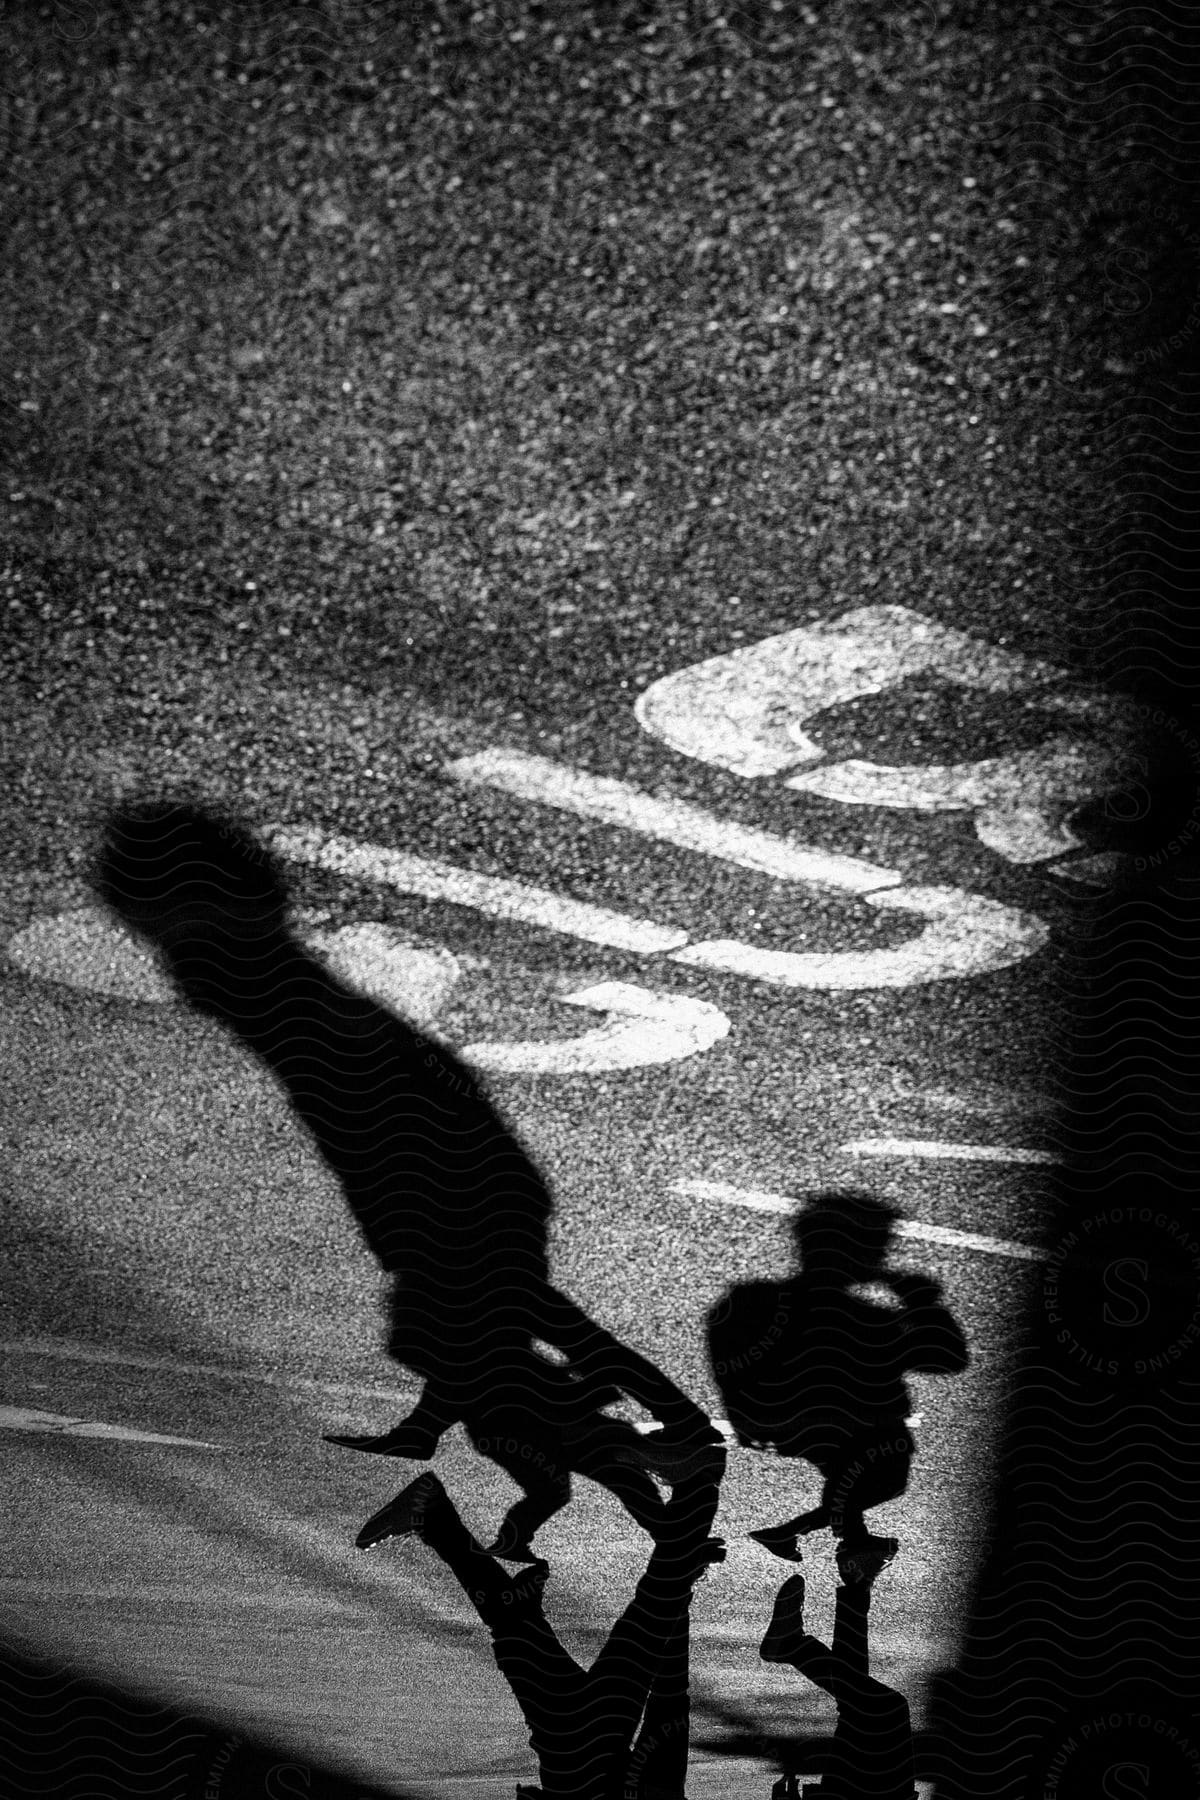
(1081, 1661)
(67, 1736)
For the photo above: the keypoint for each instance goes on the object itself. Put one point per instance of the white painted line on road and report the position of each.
(673, 821)
(491, 894)
(643, 1028)
(725, 1193)
(68, 1351)
(967, 935)
(27, 1418)
(938, 1150)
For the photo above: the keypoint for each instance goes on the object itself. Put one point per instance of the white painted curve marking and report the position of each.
(90, 949)
(1021, 801)
(745, 710)
(28, 1418)
(87, 948)
(968, 935)
(643, 1028)
(934, 1149)
(491, 894)
(725, 1193)
(672, 821)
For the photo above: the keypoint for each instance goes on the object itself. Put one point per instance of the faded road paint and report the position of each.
(28, 1418)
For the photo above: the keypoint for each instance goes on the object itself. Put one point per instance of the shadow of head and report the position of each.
(843, 1235)
(197, 886)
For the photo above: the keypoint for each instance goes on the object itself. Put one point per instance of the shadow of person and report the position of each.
(814, 1369)
(582, 1722)
(872, 1753)
(444, 1193)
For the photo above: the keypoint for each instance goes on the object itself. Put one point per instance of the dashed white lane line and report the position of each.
(938, 1151)
(494, 894)
(725, 1193)
(672, 821)
(28, 1418)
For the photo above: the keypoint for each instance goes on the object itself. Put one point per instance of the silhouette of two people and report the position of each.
(814, 1369)
(451, 1205)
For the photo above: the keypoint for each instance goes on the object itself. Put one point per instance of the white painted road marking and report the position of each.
(95, 952)
(1021, 801)
(967, 935)
(644, 1028)
(747, 711)
(88, 949)
(943, 1152)
(27, 1418)
(413, 979)
(671, 821)
(725, 1193)
(491, 894)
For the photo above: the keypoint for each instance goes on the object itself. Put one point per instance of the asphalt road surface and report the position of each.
(188, 1307)
(653, 678)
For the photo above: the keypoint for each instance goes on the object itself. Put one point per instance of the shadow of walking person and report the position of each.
(872, 1754)
(814, 1369)
(443, 1192)
(582, 1722)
